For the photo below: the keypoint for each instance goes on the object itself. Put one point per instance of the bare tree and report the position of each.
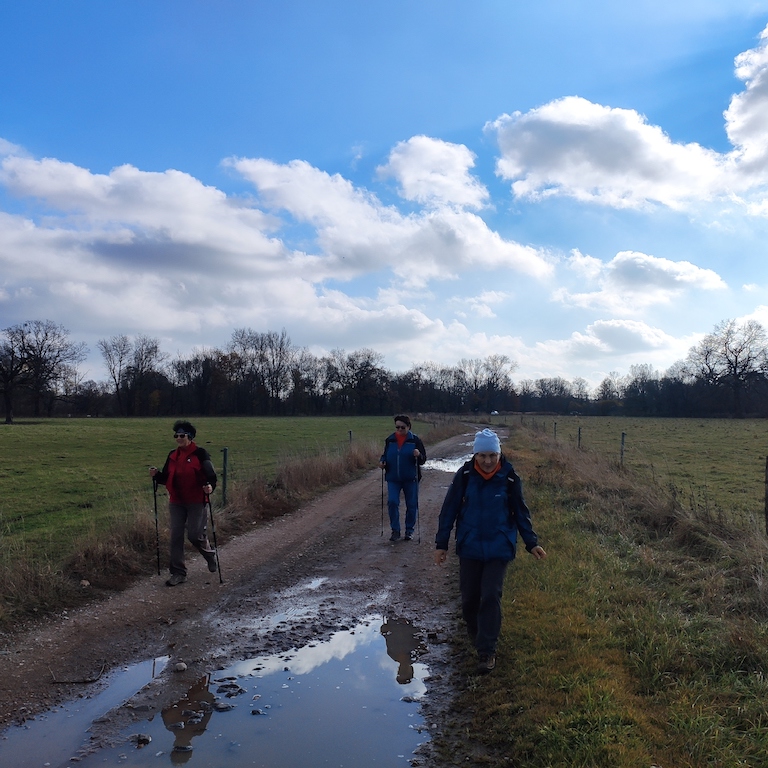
(147, 362)
(48, 355)
(116, 352)
(473, 373)
(732, 356)
(580, 389)
(12, 367)
(277, 357)
(554, 393)
(498, 377)
(611, 387)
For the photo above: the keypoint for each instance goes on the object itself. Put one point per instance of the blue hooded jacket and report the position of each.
(401, 465)
(488, 514)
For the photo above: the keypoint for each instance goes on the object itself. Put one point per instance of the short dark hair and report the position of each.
(402, 417)
(184, 426)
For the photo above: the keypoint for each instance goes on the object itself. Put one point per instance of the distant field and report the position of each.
(715, 463)
(73, 475)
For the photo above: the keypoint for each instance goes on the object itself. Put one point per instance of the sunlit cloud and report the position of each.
(572, 147)
(435, 172)
(633, 281)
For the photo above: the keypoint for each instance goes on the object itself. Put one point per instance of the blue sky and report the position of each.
(582, 187)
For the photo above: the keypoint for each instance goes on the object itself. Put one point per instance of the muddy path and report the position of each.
(334, 542)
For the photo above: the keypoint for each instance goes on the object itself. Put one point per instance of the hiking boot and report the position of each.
(210, 558)
(395, 536)
(175, 579)
(408, 536)
(486, 663)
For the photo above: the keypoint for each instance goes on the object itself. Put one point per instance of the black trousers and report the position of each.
(481, 583)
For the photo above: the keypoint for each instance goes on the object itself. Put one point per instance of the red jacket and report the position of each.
(185, 473)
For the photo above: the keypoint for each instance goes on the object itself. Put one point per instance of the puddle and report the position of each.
(53, 738)
(447, 465)
(347, 701)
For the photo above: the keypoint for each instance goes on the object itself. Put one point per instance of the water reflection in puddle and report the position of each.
(447, 465)
(53, 738)
(347, 701)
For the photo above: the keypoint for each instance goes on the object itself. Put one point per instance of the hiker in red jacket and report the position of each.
(189, 477)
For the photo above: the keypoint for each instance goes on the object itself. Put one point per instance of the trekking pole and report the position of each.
(157, 529)
(418, 524)
(213, 531)
(382, 501)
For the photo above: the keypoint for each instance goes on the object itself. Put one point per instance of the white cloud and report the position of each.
(593, 153)
(572, 147)
(171, 207)
(603, 346)
(435, 172)
(633, 281)
(163, 254)
(745, 117)
(481, 306)
(356, 233)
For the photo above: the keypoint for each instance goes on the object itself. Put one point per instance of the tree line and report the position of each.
(264, 373)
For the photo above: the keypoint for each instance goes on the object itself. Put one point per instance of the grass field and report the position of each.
(61, 478)
(642, 639)
(718, 464)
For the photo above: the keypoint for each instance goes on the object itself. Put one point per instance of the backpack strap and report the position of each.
(467, 468)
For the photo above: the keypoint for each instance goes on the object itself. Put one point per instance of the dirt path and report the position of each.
(335, 540)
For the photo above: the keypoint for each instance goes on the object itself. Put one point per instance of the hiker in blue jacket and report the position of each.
(403, 456)
(485, 503)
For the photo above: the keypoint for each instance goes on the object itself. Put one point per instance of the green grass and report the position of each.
(62, 478)
(715, 463)
(635, 643)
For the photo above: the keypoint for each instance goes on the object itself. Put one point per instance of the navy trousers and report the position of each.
(410, 490)
(481, 583)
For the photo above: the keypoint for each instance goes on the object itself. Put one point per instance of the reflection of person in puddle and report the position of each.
(485, 503)
(401, 640)
(188, 718)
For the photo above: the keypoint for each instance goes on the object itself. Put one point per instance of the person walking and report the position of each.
(485, 503)
(403, 456)
(190, 478)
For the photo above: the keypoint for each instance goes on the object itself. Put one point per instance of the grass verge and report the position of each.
(640, 641)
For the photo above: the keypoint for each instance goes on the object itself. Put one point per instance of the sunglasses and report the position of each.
(181, 434)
